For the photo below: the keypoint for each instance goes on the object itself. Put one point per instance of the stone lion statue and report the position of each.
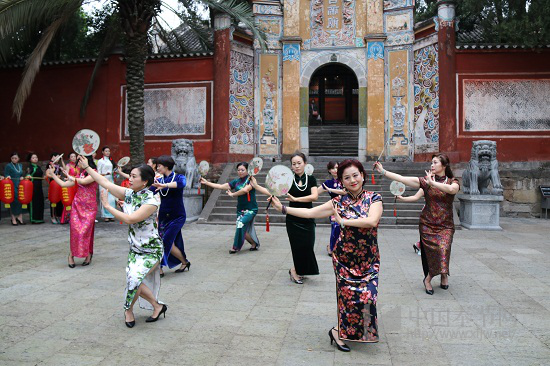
(184, 155)
(482, 169)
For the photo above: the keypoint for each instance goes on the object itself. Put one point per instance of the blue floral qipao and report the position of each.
(356, 262)
(334, 226)
(146, 248)
(172, 217)
(246, 212)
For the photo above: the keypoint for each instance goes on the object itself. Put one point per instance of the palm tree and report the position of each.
(135, 19)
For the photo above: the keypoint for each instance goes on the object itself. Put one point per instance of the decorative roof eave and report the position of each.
(160, 56)
(496, 46)
(52, 63)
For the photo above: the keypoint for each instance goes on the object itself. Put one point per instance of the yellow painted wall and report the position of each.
(269, 86)
(291, 106)
(292, 18)
(398, 80)
(375, 12)
(375, 112)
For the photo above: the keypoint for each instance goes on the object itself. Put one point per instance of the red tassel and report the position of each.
(248, 196)
(267, 222)
(372, 178)
(199, 190)
(394, 212)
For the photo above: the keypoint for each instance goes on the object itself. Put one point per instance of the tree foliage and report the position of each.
(521, 22)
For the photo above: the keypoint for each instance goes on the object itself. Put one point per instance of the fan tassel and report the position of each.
(267, 222)
(372, 178)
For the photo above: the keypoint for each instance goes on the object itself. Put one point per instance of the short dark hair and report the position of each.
(165, 160)
(300, 154)
(14, 154)
(146, 173)
(331, 164)
(29, 156)
(348, 163)
(242, 163)
(53, 154)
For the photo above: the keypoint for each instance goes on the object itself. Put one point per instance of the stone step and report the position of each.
(276, 217)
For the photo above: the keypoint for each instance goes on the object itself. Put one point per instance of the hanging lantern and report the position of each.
(7, 192)
(54, 193)
(24, 192)
(67, 196)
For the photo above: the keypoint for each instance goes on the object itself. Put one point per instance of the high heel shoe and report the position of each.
(129, 324)
(444, 287)
(343, 348)
(163, 311)
(299, 282)
(20, 222)
(71, 265)
(187, 266)
(416, 249)
(429, 292)
(88, 262)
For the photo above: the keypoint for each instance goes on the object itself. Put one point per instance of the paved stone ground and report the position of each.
(243, 310)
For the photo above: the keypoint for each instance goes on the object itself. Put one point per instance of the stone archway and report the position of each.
(308, 70)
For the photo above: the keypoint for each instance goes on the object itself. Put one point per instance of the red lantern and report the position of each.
(67, 196)
(6, 192)
(24, 192)
(54, 193)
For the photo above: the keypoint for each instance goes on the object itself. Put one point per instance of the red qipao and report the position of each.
(436, 227)
(82, 221)
(356, 262)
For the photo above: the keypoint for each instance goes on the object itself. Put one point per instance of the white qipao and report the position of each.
(105, 168)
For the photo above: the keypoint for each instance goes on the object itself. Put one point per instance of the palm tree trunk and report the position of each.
(136, 55)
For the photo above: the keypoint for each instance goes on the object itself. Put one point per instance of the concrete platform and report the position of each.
(243, 310)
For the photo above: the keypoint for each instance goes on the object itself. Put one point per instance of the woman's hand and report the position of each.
(50, 172)
(229, 193)
(337, 217)
(399, 198)
(158, 185)
(378, 167)
(104, 198)
(204, 181)
(82, 162)
(275, 203)
(290, 198)
(429, 177)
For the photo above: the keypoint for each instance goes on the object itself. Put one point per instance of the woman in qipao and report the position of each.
(105, 168)
(436, 220)
(146, 249)
(83, 212)
(14, 171)
(356, 259)
(35, 173)
(247, 207)
(334, 188)
(172, 214)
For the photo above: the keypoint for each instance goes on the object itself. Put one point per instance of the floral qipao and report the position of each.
(436, 227)
(335, 228)
(356, 262)
(146, 248)
(246, 212)
(82, 220)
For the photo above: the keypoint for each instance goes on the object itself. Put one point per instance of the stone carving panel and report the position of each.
(395, 4)
(273, 29)
(426, 100)
(506, 105)
(332, 23)
(398, 103)
(241, 104)
(269, 104)
(168, 111)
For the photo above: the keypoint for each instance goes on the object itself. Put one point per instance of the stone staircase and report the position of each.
(333, 140)
(220, 208)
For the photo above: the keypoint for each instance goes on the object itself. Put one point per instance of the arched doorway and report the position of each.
(333, 96)
(333, 111)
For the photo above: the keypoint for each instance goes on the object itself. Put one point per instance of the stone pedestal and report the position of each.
(480, 211)
(193, 204)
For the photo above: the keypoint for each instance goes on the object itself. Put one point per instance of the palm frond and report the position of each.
(242, 12)
(34, 61)
(191, 36)
(108, 43)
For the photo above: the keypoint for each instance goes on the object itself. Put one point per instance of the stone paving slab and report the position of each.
(242, 309)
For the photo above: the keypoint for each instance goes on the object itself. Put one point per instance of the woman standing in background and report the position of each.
(36, 207)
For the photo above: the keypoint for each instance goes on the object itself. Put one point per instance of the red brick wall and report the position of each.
(51, 114)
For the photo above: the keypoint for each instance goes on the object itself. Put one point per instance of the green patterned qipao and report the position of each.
(146, 249)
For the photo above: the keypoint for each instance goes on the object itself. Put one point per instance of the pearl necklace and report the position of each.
(167, 189)
(20, 170)
(297, 186)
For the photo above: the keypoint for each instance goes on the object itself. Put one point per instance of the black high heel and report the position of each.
(163, 311)
(343, 348)
(20, 222)
(429, 292)
(88, 263)
(71, 265)
(444, 287)
(187, 266)
(416, 249)
(129, 324)
(299, 282)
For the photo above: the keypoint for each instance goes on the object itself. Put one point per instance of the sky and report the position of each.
(167, 15)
